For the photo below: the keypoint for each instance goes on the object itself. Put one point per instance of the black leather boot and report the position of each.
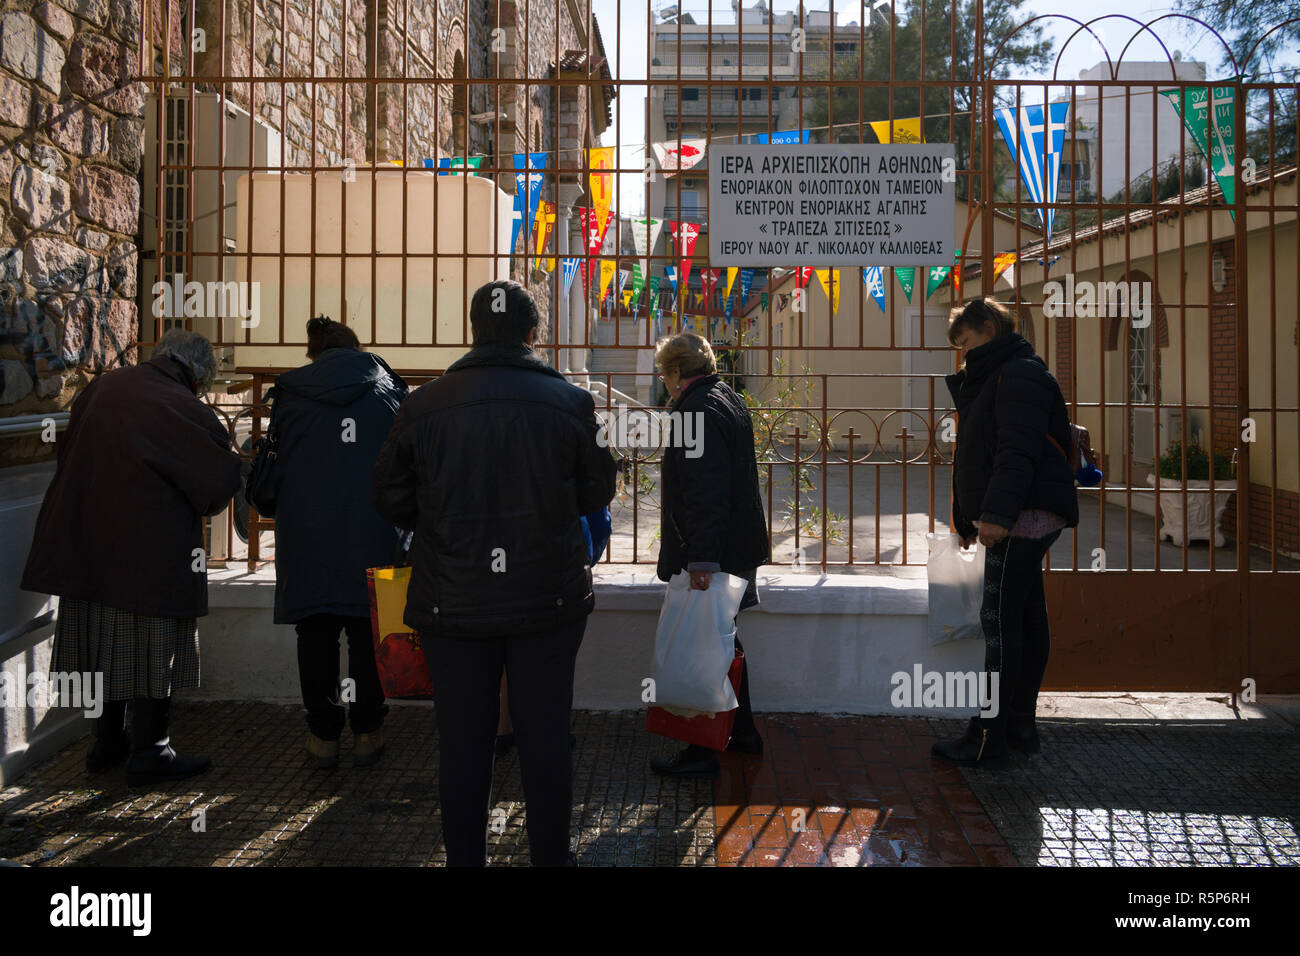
(152, 758)
(1022, 732)
(691, 762)
(984, 744)
(112, 743)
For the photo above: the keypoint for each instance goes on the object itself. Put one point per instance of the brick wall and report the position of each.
(71, 139)
(1225, 421)
(1064, 358)
(1274, 520)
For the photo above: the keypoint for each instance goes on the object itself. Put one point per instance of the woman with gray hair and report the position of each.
(119, 539)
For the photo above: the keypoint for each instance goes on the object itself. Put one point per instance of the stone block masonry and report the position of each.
(71, 139)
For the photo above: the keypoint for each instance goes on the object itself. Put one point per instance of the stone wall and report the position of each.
(72, 137)
(252, 46)
(71, 142)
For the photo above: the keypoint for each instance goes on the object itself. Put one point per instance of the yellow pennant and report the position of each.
(905, 130)
(600, 160)
(1001, 262)
(607, 269)
(543, 225)
(731, 278)
(830, 279)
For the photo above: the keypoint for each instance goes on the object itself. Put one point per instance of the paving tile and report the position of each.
(841, 791)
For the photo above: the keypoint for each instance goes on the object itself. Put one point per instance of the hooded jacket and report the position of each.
(491, 465)
(143, 460)
(1007, 404)
(332, 416)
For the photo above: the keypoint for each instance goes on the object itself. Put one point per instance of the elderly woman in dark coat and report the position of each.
(1014, 490)
(119, 539)
(712, 511)
(331, 417)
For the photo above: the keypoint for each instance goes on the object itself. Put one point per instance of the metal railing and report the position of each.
(1219, 356)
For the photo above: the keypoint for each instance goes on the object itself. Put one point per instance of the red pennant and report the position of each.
(595, 234)
(684, 234)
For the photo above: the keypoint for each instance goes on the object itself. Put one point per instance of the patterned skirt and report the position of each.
(139, 656)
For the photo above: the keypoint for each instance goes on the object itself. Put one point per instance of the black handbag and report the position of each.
(260, 492)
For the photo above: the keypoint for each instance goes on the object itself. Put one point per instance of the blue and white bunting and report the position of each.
(785, 137)
(873, 277)
(528, 189)
(746, 283)
(1036, 147)
(570, 265)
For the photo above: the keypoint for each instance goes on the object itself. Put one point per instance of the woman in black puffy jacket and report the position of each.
(1013, 490)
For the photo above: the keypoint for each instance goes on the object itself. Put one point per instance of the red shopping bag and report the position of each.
(398, 654)
(706, 730)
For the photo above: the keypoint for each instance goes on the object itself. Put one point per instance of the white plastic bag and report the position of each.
(695, 644)
(956, 589)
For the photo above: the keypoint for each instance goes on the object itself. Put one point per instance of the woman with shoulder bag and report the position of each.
(1013, 489)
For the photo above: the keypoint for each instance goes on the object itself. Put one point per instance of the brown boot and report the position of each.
(322, 753)
(366, 748)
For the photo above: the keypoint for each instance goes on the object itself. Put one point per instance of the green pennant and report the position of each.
(638, 280)
(906, 278)
(935, 276)
(1216, 138)
(763, 300)
(653, 301)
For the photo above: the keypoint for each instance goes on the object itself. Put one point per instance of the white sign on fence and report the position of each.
(834, 204)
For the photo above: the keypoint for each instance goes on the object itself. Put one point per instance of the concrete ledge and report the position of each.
(642, 591)
(815, 643)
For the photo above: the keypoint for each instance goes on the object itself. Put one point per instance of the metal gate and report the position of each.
(375, 160)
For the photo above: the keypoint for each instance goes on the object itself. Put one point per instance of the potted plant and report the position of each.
(1203, 516)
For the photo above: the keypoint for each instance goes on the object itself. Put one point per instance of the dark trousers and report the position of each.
(318, 675)
(1014, 619)
(744, 725)
(466, 675)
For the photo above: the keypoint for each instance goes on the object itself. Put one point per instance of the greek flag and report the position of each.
(873, 277)
(570, 270)
(1037, 153)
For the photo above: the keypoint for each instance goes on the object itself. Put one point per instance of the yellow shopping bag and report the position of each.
(399, 655)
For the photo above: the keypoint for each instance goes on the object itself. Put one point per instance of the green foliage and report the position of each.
(1198, 463)
(775, 419)
(1245, 27)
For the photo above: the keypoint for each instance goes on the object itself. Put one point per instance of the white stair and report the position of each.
(618, 366)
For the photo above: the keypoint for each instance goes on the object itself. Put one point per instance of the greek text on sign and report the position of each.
(835, 204)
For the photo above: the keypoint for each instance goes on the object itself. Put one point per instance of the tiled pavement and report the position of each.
(830, 790)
